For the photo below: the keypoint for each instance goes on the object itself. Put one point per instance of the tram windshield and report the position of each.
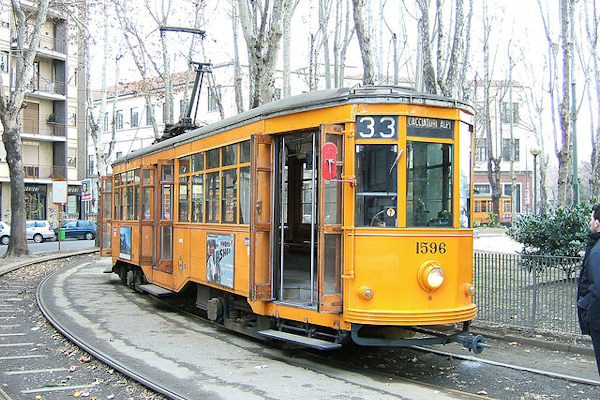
(377, 185)
(428, 184)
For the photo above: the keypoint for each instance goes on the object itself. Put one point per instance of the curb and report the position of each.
(564, 347)
(43, 258)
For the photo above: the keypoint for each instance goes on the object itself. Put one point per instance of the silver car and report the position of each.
(4, 233)
(39, 231)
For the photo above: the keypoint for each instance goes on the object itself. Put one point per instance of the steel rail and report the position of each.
(550, 374)
(80, 342)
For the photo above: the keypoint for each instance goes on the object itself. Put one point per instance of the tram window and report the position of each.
(167, 173)
(117, 204)
(184, 205)
(244, 195)
(429, 184)
(245, 151)
(197, 197)
(377, 185)
(230, 154)
(307, 184)
(124, 203)
(136, 176)
(130, 202)
(184, 165)
(165, 242)
(229, 196)
(147, 177)
(147, 203)
(106, 205)
(212, 197)
(212, 159)
(166, 210)
(198, 162)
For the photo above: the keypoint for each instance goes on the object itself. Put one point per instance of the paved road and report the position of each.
(70, 244)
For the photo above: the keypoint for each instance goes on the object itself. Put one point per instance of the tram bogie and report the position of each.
(327, 216)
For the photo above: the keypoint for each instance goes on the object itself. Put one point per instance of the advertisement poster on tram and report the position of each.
(125, 242)
(219, 259)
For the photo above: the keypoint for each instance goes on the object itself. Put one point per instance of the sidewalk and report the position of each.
(11, 263)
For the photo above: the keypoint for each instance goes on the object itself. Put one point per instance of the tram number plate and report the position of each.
(431, 247)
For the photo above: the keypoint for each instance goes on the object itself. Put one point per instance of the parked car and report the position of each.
(4, 233)
(39, 231)
(78, 229)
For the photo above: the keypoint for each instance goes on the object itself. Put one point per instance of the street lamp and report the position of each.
(535, 151)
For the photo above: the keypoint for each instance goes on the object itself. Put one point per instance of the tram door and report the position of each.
(105, 217)
(330, 212)
(164, 225)
(147, 221)
(261, 217)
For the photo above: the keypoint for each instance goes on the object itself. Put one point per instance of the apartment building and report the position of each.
(54, 133)
(508, 119)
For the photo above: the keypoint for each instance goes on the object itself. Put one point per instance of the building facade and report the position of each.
(509, 122)
(53, 136)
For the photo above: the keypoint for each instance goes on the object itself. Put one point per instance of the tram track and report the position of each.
(303, 358)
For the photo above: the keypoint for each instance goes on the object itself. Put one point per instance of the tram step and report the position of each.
(303, 340)
(155, 290)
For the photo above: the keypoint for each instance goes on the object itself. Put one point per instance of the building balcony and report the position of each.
(49, 47)
(47, 88)
(45, 172)
(34, 129)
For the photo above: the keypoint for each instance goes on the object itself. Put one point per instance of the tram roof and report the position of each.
(304, 102)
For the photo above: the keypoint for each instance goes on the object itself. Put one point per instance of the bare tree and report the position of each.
(11, 106)
(262, 27)
(441, 75)
(592, 34)
(364, 41)
(342, 36)
(561, 110)
(237, 70)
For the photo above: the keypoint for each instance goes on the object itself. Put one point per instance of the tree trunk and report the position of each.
(262, 31)
(364, 42)
(237, 69)
(11, 105)
(565, 164)
(427, 72)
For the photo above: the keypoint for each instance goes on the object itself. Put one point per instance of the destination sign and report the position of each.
(430, 127)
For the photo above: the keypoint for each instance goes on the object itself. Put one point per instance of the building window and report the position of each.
(506, 112)
(149, 112)
(119, 154)
(212, 101)
(72, 157)
(506, 150)
(183, 105)
(119, 121)
(481, 189)
(4, 61)
(134, 118)
(481, 150)
(105, 122)
(90, 165)
(72, 116)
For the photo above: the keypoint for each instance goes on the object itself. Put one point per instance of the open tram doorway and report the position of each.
(296, 219)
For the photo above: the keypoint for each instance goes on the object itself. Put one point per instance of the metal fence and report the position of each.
(532, 292)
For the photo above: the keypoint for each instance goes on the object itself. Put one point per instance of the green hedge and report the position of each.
(560, 231)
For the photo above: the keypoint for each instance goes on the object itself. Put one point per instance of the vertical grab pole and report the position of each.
(282, 230)
(312, 225)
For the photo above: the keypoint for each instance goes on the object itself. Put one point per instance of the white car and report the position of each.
(39, 231)
(4, 233)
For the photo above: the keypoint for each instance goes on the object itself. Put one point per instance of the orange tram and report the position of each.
(318, 219)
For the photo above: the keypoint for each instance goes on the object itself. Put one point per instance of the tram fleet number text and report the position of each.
(431, 248)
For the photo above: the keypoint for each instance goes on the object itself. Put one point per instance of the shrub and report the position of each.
(561, 231)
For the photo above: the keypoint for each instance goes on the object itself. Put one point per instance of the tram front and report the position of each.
(408, 264)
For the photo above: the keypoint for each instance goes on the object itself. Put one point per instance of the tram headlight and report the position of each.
(469, 289)
(430, 275)
(365, 293)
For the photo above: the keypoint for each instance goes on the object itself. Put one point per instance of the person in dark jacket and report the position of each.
(588, 290)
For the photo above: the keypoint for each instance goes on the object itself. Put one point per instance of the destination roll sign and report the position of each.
(430, 127)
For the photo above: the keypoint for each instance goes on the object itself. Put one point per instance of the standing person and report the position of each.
(588, 290)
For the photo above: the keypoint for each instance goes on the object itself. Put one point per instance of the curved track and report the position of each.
(305, 359)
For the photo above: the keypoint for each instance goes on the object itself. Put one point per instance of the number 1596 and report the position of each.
(431, 248)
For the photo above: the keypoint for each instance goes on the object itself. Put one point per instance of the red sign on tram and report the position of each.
(328, 160)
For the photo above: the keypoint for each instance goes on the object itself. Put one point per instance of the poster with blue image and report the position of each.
(125, 242)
